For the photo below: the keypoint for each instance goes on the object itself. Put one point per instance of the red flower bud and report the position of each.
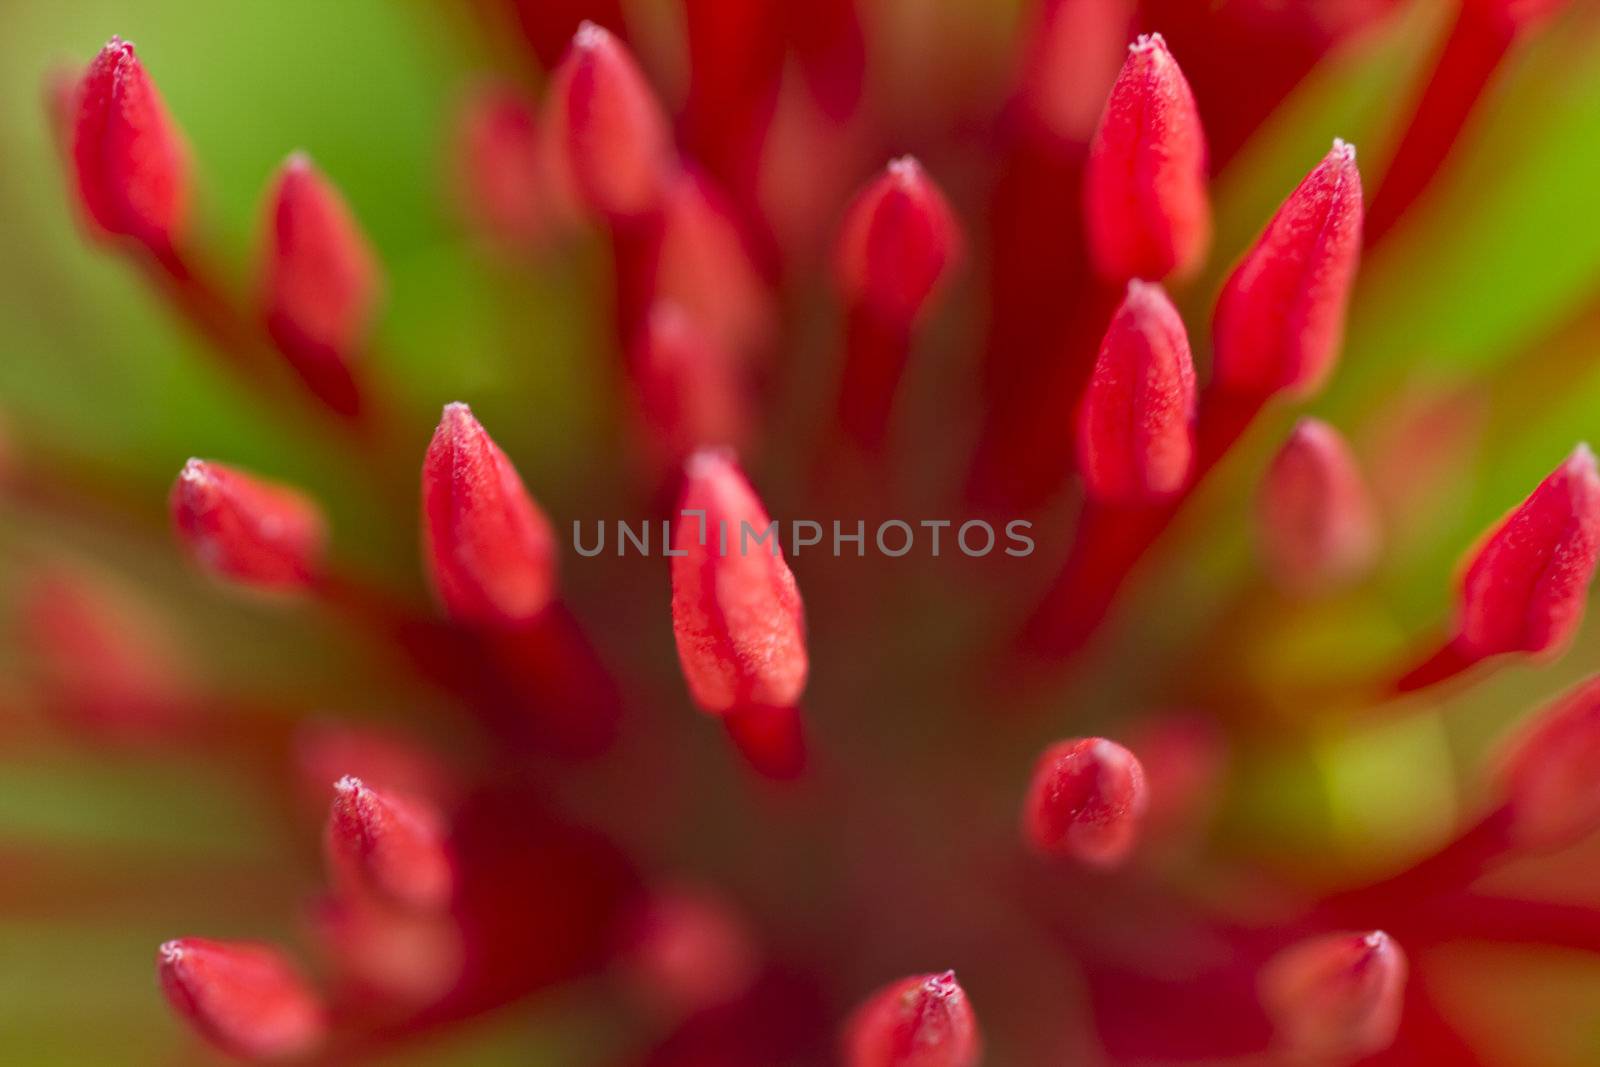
(690, 388)
(685, 950)
(395, 957)
(1547, 772)
(390, 845)
(1136, 425)
(1074, 54)
(614, 137)
(252, 531)
(246, 999)
(1087, 800)
(1280, 318)
(736, 612)
(502, 178)
(922, 1021)
(324, 752)
(490, 552)
(104, 663)
(899, 240)
(1524, 586)
(1319, 526)
(131, 163)
(1145, 184)
(704, 264)
(320, 283)
(1336, 996)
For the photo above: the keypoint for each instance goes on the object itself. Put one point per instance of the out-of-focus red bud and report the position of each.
(703, 263)
(1547, 772)
(691, 391)
(397, 957)
(1136, 425)
(131, 163)
(1524, 587)
(503, 182)
(390, 846)
(1073, 57)
(490, 551)
(247, 999)
(831, 48)
(1145, 184)
(684, 950)
(1336, 997)
(922, 1021)
(258, 533)
(324, 752)
(1087, 801)
(899, 241)
(1319, 527)
(1184, 756)
(320, 283)
(104, 662)
(615, 139)
(736, 611)
(1280, 319)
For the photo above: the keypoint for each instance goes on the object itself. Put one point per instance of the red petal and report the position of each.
(490, 551)
(1280, 319)
(246, 999)
(1145, 184)
(923, 1021)
(1087, 800)
(736, 612)
(320, 283)
(390, 845)
(131, 163)
(1525, 586)
(615, 138)
(1336, 996)
(1318, 523)
(255, 532)
(1136, 426)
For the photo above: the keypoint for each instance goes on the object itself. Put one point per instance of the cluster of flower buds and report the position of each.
(452, 888)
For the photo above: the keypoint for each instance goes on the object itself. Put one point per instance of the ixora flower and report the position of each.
(1107, 782)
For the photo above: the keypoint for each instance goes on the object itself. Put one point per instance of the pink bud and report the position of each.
(104, 662)
(691, 391)
(1336, 997)
(1547, 771)
(1087, 800)
(1145, 184)
(490, 552)
(899, 241)
(686, 949)
(605, 119)
(390, 845)
(1319, 527)
(1136, 425)
(1074, 54)
(922, 1021)
(395, 957)
(1280, 319)
(132, 165)
(251, 531)
(704, 264)
(502, 178)
(736, 612)
(246, 999)
(320, 283)
(1524, 587)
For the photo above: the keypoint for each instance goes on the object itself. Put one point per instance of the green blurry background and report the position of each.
(1493, 286)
